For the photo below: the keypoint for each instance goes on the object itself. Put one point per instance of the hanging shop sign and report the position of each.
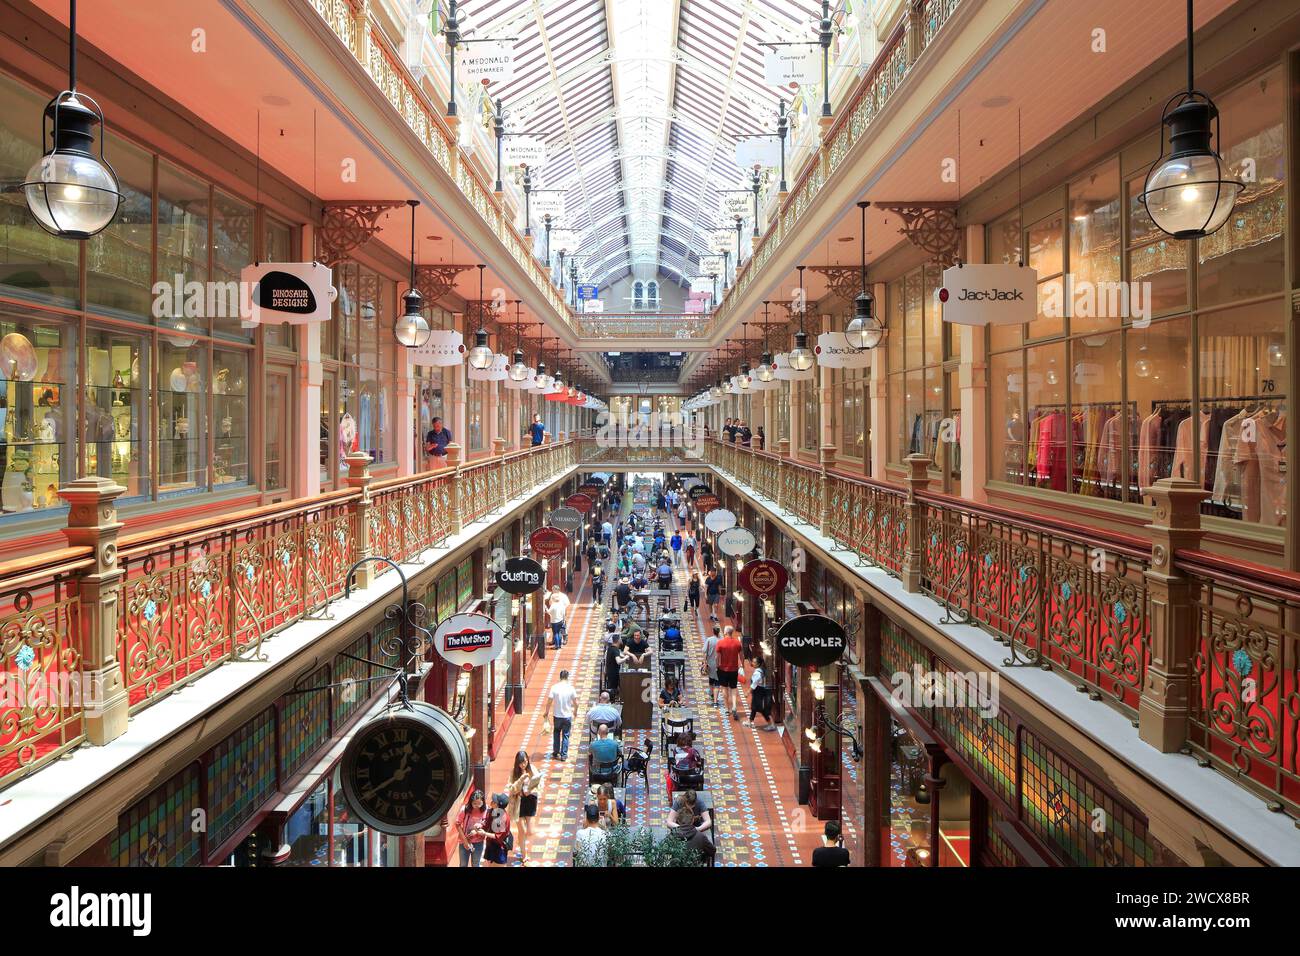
(701, 286)
(763, 578)
(785, 373)
(524, 151)
(997, 293)
(521, 576)
(552, 204)
(569, 520)
(706, 503)
(579, 502)
(493, 61)
(720, 520)
(560, 238)
(498, 371)
(811, 640)
(588, 291)
(443, 348)
(593, 306)
(711, 266)
(698, 490)
(759, 151)
(293, 292)
(403, 770)
(548, 542)
(720, 242)
(833, 350)
(591, 490)
(791, 66)
(731, 205)
(735, 541)
(467, 641)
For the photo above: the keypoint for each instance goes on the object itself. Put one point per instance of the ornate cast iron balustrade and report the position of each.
(196, 596)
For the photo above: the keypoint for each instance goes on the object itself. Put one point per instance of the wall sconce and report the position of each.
(769, 609)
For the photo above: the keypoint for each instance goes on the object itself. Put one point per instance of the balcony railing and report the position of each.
(676, 325)
(1080, 602)
(115, 623)
(893, 63)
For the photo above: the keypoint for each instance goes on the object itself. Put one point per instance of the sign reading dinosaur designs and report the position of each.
(293, 292)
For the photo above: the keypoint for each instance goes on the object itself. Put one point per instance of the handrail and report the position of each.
(14, 572)
(1275, 583)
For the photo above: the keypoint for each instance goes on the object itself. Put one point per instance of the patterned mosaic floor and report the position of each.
(748, 772)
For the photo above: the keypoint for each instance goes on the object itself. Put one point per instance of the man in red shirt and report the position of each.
(729, 650)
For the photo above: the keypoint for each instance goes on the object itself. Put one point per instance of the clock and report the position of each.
(403, 770)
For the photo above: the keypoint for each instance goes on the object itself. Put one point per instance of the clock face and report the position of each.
(400, 774)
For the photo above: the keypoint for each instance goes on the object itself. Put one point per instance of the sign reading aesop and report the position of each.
(811, 640)
(735, 541)
(520, 576)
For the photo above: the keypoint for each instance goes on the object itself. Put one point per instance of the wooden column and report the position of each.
(92, 521)
(1163, 707)
(358, 477)
(918, 479)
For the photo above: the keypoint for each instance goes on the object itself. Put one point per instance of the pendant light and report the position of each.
(765, 373)
(543, 380)
(801, 357)
(411, 329)
(480, 356)
(519, 371)
(742, 380)
(72, 192)
(1188, 193)
(864, 331)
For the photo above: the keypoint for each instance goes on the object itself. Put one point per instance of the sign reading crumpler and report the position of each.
(469, 640)
(811, 640)
(520, 576)
(548, 542)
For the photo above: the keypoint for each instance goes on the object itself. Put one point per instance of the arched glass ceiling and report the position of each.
(639, 102)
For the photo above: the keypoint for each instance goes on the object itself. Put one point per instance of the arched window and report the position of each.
(652, 292)
(638, 295)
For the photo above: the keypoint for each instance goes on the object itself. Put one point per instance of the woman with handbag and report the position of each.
(522, 791)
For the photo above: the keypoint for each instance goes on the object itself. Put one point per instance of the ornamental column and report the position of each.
(1163, 710)
(92, 522)
(918, 480)
(358, 477)
(972, 375)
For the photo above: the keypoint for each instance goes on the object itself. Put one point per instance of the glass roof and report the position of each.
(640, 103)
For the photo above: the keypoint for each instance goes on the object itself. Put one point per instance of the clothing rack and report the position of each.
(1224, 400)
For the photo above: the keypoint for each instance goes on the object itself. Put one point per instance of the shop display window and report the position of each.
(918, 394)
(910, 802)
(38, 406)
(119, 263)
(183, 244)
(307, 831)
(118, 408)
(810, 411)
(1125, 414)
(351, 838)
(230, 417)
(277, 246)
(233, 238)
(361, 346)
(475, 402)
(183, 387)
(33, 264)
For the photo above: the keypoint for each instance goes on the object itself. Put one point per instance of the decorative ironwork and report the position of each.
(349, 225)
(931, 227)
(433, 282)
(845, 282)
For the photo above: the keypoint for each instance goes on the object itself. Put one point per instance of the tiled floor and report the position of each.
(758, 821)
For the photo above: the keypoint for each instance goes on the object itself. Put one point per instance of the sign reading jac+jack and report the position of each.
(993, 294)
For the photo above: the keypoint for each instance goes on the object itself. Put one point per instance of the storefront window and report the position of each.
(119, 259)
(183, 204)
(474, 406)
(810, 417)
(230, 417)
(910, 802)
(277, 246)
(853, 384)
(117, 409)
(1094, 246)
(183, 385)
(232, 250)
(33, 264)
(351, 837)
(279, 412)
(918, 396)
(367, 385)
(307, 831)
(37, 413)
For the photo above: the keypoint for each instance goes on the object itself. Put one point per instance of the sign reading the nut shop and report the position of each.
(548, 542)
(763, 578)
(811, 640)
(467, 641)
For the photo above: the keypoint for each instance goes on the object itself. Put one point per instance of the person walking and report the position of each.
(471, 829)
(831, 852)
(435, 444)
(682, 513)
(693, 592)
(711, 664)
(760, 700)
(607, 532)
(525, 782)
(676, 542)
(729, 668)
(537, 431)
(712, 591)
(559, 704)
(557, 606)
(689, 545)
(597, 583)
